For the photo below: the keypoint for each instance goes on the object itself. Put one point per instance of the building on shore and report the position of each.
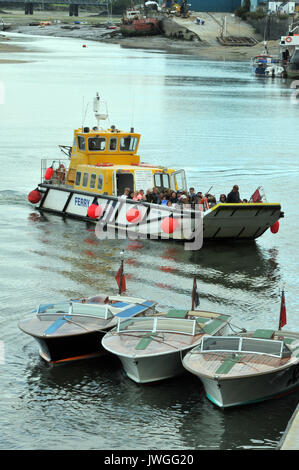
(288, 7)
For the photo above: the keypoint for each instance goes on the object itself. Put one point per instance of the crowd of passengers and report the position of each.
(169, 197)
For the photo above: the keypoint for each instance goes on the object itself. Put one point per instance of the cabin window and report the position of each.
(78, 178)
(161, 180)
(97, 143)
(128, 144)
(92, 183)
(113, 143)
(100, 182)
(85, 179)
(81, 142)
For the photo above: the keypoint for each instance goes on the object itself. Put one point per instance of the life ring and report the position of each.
(104, 164)
(289, 39)
(60, 173)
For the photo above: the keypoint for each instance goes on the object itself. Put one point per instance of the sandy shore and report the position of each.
(93, 27)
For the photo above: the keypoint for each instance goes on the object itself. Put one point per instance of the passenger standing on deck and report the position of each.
(192, 194)
(234, 195)
(126, 193)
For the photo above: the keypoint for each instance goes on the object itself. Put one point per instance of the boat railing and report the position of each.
(54, 171)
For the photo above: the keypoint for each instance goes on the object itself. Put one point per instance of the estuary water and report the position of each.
(225, 127)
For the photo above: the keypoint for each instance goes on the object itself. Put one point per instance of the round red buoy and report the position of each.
(275, 227)
(34, 196)
(94, 211)
(133, 215)
(169, 225)
(49, 173)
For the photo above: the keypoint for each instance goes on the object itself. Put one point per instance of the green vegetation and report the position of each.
(244, 10)
(258, 14)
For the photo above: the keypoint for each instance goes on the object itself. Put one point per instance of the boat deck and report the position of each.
(265, 352)
(141, 337)
(234, 365)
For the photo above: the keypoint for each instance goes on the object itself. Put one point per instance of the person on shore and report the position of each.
(234, 195)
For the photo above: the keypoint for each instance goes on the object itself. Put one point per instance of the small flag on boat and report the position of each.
(283, 312)
(256, 197)
(120, 278)
(195, 296)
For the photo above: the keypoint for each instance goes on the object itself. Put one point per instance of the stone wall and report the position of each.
(271, 27)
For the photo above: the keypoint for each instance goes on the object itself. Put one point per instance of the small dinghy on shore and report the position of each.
(151, 348)
(241, 369)
(73, 329)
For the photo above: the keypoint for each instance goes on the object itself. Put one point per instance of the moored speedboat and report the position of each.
(103, 163)
(248, 368)
(261, 62)
(151, 349)
(72, 330)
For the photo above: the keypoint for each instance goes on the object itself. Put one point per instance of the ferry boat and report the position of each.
(90, 185)
(289, 47)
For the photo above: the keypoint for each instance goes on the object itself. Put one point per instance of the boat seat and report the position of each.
(263, 334)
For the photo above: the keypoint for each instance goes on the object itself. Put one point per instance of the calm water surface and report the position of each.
(224, 127)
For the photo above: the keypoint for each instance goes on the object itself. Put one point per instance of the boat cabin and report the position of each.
(106, 162)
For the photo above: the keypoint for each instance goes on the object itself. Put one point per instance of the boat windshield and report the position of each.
(244, 345)
(75, 308)
(154, 324)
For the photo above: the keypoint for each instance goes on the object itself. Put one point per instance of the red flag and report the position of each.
(256, 197)
(195, 296)
(283, 313)
(120, 279)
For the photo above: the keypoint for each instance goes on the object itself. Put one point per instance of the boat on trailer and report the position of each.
(72, 330)
(248, 368)
(89, 185)
(151, 348)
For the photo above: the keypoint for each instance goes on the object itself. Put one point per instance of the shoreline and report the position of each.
(93, 28)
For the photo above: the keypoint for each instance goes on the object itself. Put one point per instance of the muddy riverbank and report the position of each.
(94, 27)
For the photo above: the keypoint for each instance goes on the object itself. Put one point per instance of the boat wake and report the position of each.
(8, 196)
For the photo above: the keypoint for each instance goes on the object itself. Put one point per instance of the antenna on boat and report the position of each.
(96, 109)
(84, 112)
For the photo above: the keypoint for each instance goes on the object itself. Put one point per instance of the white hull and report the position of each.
(224, 221)
(245, 390)
(153, 369)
